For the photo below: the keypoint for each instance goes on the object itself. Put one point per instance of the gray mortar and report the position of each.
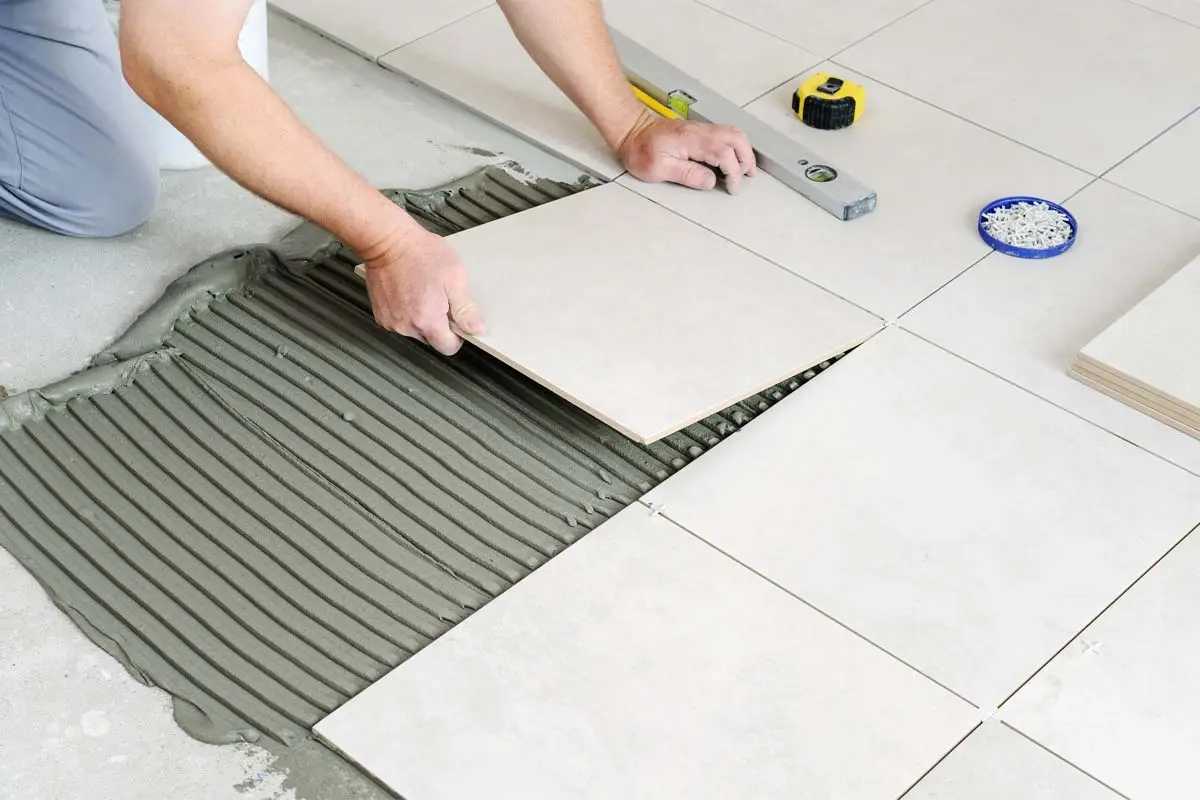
(259, 501)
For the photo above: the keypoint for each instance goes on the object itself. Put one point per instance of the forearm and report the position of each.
(569, 40)
(235, 118)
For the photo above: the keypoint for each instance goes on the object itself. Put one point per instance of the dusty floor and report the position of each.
(76, 724)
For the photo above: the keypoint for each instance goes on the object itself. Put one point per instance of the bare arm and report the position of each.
(569, 40)
(182, 58)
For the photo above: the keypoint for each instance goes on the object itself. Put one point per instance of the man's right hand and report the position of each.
(418, 288)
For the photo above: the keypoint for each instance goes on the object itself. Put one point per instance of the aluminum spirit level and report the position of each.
(807, 173)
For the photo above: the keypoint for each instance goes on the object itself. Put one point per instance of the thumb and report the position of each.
(465, 314)
(689, 173)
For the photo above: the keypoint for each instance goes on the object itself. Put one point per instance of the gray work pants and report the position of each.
(75, 156)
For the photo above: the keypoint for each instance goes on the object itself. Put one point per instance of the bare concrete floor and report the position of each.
(75, 724)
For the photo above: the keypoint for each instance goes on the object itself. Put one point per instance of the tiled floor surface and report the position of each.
(986, 529)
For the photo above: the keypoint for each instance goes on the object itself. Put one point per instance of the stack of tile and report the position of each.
(1148, 358)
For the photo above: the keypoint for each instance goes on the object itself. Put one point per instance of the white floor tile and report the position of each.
(933, 174)
(816, 25)
(643, 664)
(1166, 169)
(374, 27)
(1122, 701)
(478, 61)
(642, 318)
(1185, 10)
(962, 524)
(996, 763)
(1045, 72)
(735, 60)
(1027, 320)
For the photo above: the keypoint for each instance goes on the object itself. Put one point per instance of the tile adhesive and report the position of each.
(261, 502)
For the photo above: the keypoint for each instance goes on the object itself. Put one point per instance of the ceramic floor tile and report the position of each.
(816, 25)
(1026, 320)
(641, 663)
(731, 58)
(642, 318)
(1044, 72)
(1121, 702)
(375, 27)
(1165, 170)
(1185, 10)
(932, 171)
(962, 524)
(996, 763)
(478, 61)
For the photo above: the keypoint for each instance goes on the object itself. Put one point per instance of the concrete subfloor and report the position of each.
(76, 724)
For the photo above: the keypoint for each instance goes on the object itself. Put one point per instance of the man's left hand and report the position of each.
(657, 149)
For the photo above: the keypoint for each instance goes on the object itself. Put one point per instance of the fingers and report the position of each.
(456, 314)
(724, 158)
(465, 314)
(689, 173)
(440, 337)
(741, 146)
(731, 151)
(724, 148)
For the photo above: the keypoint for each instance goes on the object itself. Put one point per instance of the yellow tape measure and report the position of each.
(828, 102)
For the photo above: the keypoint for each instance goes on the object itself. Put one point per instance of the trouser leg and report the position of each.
(75, 155)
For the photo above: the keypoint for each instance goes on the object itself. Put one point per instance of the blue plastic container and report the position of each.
(1027, 252)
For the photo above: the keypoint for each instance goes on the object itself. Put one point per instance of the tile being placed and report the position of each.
(962, 524)
(1121, 701)
(641, 663)
(731, 58)
(1026, 320)
(479, 62)
(1044, 72)
(996, 763)
(642, 318)
(933, 174)
(374, 27)
(816, 25)
(1165, 170)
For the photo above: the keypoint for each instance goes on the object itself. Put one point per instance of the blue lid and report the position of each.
(1027, 252)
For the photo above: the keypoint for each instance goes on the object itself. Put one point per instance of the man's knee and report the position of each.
(117, 196)
(111, 193)
(75, 151)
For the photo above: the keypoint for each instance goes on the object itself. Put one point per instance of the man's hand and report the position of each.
(419, 289)
(569, 40)
(657, 149)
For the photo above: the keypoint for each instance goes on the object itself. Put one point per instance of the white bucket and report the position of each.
(175, 151)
